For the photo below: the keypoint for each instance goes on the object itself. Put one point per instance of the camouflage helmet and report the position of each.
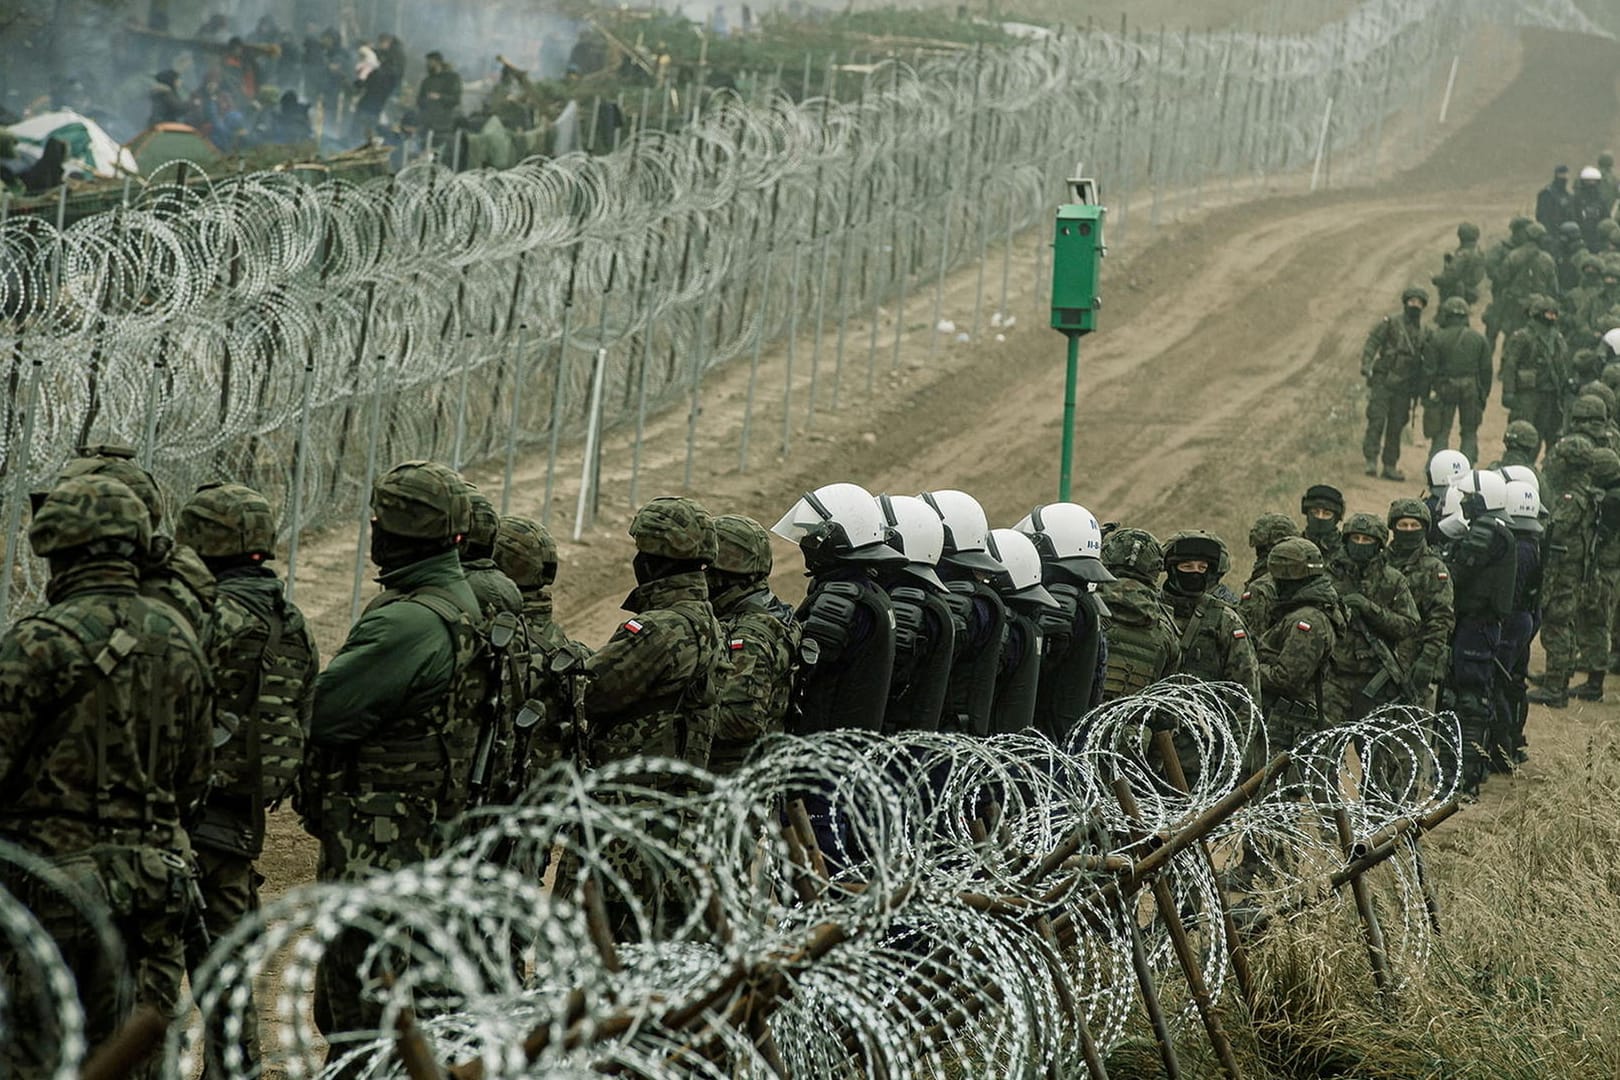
(1611, 376)
(1367, 525)
(1135, 553)
(675, 528)
(225, 520)
(118, 462)
(1603, 392)
(1570, 230)
(1198, 544)
(88, 509)
(422, 500)
(1588, 409)
(742, 546)
(1415, 292)
(1604, 467)
(1539, 304)
(1518, 224)
(1409, 508)
(1467, 232)
(1611, 261)
(1589, 262)
(1270, 529)
(1573, 451)
(1295, 559)
(1522, 435)
(1608, 228)
(1454, 306)
(1535, 231)
(483, 522)
(525, 552)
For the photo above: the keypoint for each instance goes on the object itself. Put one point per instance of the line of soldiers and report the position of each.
(169, 695)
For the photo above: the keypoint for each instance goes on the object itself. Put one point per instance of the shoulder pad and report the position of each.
(830, 614)
(909, 595)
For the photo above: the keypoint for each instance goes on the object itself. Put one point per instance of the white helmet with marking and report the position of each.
(1523, 474)
(966, 530)
(917, 533)
(1447, 466)
(1021, 581)
(1523, 507)
(838, 522)
(1067, 536)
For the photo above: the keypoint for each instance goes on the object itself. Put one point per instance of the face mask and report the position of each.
(1550, 320)
(1320, 528)
(1414, 313)
(1361, 553)
(1404, 543)
(1190, 584)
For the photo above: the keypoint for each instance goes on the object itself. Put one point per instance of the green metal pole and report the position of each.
(1070, 391)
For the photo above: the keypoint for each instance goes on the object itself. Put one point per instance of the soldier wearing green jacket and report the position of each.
(1535, 372)
(1496, 269)
(1520, 443)
(1295, 649)
(1144, 645)
(1425, 655)
(1569, 567)
(1457, 380)
(1364, 673)
(526, 553)
(1392, 365)
(1594, 617)
(1464, 268)
(1260, 592)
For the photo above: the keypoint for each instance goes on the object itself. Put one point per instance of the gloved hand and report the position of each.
(1354, 601)
(1424, 674)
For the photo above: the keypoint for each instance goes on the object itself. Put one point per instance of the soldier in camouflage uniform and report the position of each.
(1496, 269)
(106, 706)
(1392, 365)
(505, 633)
(170, 572)
(526, 553)
(1520, 442)
(492, 586)
(1527, 272)
(1260, 592)
(1457, 380)
(762, 642)
(1535, 371)
(1569, 570)
(1295, 649)
(1597, 604)
(1588, 416)
(1214, 641)
(1323, 508)
(1144, 645)
(1425, 655)
(265, 662)
(1380, 613)
(396, 720)
(1464, 268)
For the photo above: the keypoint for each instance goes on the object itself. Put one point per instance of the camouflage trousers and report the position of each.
(1594, 622)
(141, 890)
(1566, 617)
(1454, 399)
(363, 835)
(230, 890)
(1389, 407)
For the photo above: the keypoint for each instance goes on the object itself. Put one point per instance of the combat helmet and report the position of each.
(1535, 231)
(673, 527)
(1295, 559)
(1522, 435)
(1409, 508)
(1367, 525)
(223, 521)
(1415, 292)
(1588, 409)
(525, 552)
(89, 511)
(1603, 392)
(742, 546)
(1134, 553)
(118, 462)
(1198, 544)
(1604, 469)
(1468, 232)
(1455, 307)
(1269, 530)
(1518, 224)
(1611, 376)
(1322, 497)
(422, 500)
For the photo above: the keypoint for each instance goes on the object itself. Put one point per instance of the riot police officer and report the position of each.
(1069, 541)
(925, 625)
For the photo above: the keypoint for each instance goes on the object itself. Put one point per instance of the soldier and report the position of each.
(1260, 592)
(1496, 312)
(925, 627)
(1519, 629)
(653, 688)
(1392, 365)
(490, 585)
(1026, 600)
(395, 721)
(1608, 189)
(1069, 541)
(1589, 416)
(1578, 300)
(170, 572)
(1554, 202)
(850, 619)
(1464, 268)
(1535, 371)
(1520, 443)
(526, 553)
(1457, 380)
(1380, 613)
(1567, 247)
(438, 100)
(505, 635)
(1590, 206)
(967, 566)
(1425, 655)
(1214, 640)
(1323, 507)
(1295, 649)
(1143, 643)
(264, 662)
(1568, 572)
(1526, 273)
(105, 715)
(1595, 609)
(762, 642)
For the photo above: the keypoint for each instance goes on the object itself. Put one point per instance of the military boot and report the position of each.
(1393, 472)
(1553, 692)
(1591, 689)
(1372, 466)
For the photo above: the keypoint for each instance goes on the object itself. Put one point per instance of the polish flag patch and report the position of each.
(1303, 625)
(1240, 633)
(1444, 576)
(736, 643)
(634, 626)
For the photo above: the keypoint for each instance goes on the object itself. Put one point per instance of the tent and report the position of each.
(91, 151)
(162, 143)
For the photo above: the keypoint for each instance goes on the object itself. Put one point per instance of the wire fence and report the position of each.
(297, 337)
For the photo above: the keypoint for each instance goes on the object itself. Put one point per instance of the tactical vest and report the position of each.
(766, 624)
(1400, 350)
(971, 691)
(925, 644)
(1013, 709)
(851, 690)
(262, 684)
(1203, 642)
(1484, 566)
(430, 755)
(1073, 637)
(1137, 649)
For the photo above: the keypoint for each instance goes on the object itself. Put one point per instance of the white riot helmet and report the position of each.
(1590, 172)
(1611, 341)
(917, 533)
(1446, 467)
(1482, 492)
(1067, 536)
(1452, 524)
(1523, 507)
(1022, 578)
(839, 522)
(1523, 474)
(966, 529)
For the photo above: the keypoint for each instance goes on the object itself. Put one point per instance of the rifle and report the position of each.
(502, 629)
(1389, 669)
(569, 666)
